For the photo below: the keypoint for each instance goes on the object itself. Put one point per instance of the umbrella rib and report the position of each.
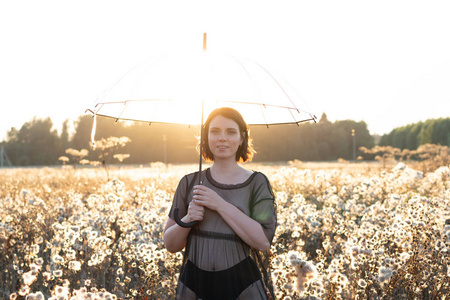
(259, 95)
(264, 116)
(254, 87)
(225, 101)
(160, 122)
(265, 104)
(261, 105)
(296, 92)
(133, 100)
(121, 78)
(279, 85)
(118, 81)
(123, 109)
(147, 70)
(248, 75)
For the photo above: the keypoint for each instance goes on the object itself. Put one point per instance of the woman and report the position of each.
(228, 249)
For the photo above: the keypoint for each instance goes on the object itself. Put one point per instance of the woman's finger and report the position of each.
(195, 211)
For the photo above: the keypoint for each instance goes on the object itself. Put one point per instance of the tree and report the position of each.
(64, 137)
(441, 133)
(426, 133)
(324, 119)
(36, 143)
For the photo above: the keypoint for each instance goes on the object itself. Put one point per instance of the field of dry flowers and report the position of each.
(350, 231)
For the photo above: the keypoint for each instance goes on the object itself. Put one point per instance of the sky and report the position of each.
(386, 63)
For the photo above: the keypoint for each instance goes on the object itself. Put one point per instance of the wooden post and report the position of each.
(4, 158)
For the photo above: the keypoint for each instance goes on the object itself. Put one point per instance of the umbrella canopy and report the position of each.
(173, 89)
(183, 88)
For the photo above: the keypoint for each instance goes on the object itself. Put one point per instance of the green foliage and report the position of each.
(432, 131)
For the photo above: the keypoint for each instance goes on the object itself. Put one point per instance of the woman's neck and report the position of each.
(229, 173)
(225, 167)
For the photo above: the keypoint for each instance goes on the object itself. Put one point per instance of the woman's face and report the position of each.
(224, 138)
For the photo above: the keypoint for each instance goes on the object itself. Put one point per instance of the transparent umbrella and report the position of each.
(183, 88)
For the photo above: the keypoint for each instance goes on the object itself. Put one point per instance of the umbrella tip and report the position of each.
(204, 41)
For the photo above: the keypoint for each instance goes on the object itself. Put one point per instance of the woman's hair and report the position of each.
(245, 151)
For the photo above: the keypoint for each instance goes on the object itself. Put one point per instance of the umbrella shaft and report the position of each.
(201, 147)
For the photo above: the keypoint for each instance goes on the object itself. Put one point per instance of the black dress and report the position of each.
(217, 264)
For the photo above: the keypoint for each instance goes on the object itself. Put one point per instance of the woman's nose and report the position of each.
(222, 137)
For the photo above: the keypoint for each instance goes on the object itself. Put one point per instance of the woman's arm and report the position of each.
(249, 230)
(174, 235)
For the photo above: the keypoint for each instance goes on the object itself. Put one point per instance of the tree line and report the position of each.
(37, 143)
(432, 131)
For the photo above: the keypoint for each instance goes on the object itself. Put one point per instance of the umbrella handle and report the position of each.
(181, 223)
(175, 210)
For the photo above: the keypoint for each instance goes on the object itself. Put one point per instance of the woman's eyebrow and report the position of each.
(218, 128)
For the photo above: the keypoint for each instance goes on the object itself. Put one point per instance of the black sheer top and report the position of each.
(217, 264)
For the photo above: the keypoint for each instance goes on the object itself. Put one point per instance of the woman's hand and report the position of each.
(249, 230)
(206, 197)
(195, 211)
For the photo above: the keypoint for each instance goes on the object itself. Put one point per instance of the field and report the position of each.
(350, 231)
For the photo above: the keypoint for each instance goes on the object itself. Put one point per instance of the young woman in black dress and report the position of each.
(227, 252)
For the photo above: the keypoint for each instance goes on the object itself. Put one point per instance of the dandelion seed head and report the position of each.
(384, 274)
(58, 259)
(34, 249)
(39, 261)
(406, 245)
(35, 268)
(404, 256)
(439, 245)
(305, 271)
(28, 278)
(24, 290)
(35, 296)
(362, 283)
(61, 291)
(75, 265)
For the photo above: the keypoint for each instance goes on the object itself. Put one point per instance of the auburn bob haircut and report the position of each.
(245, 152)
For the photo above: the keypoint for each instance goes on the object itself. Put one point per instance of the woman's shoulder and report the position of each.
(190, 176)
(260, 175)
(187, 182)
(261, 179)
